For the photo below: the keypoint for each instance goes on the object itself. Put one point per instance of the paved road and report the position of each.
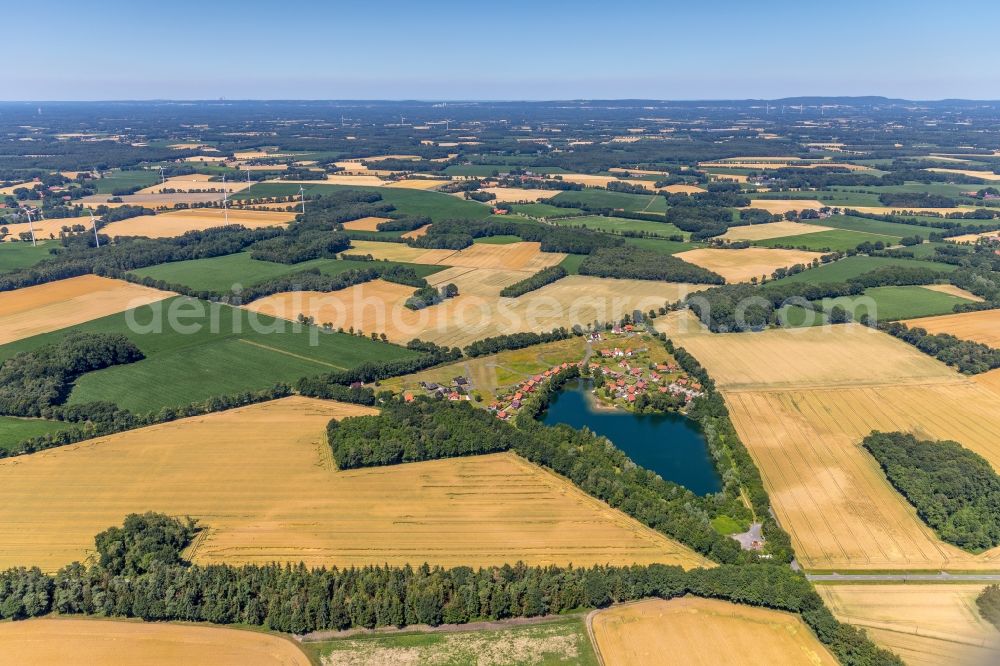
(940, 577)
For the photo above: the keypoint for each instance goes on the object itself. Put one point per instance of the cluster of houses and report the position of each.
(458, 389)
(507, 404)
(629, 374)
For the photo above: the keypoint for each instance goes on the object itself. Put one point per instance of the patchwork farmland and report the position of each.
(802, 400)
(214, 391)
(262, 482)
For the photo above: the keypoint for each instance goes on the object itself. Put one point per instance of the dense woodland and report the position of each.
(640, 264)
(954, 490)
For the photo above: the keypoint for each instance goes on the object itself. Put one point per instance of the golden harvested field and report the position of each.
(683, 189)
(378, 306)
(523, 256)
(379, 158)
(989, 380)
(761, 165)
(832, 496)
(782, 206)
(756, 232)
(845, 355)
(338, 179)
(194, 181)
(985, 175)
(972, 238)
(399, 252)
(153, 200)
(926, 625)
(417, 233)
(92, 642)
(477, 281)
(204, 158)
(728, 177)
(416, 183)
(803, 399)
(365, 224)
(982, 326)
(641, 172)
(9, 189)
(519, 195)
(591, 180)
(262, 481)
(952, 290)
(55, 305)
(44, 229)
(177, 222)
(709, 632)
(743, 264)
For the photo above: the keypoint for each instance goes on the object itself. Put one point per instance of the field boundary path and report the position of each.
(940, 577)
(490, 625)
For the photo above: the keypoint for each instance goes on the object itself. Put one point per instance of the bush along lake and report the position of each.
(672, 445)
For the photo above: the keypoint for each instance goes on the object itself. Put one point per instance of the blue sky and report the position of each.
(509, 49)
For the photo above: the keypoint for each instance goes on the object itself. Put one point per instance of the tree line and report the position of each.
(966, 356)
(534, 281)
(141, 574)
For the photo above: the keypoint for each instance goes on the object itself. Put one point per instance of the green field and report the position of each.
(22, 255)
(647, 203)
(215, 349)
(828, 241)
(660, 245)
(560, 641)
(865, 225)
(545, 210)
(620, 224)
(896, 303)
(14, 430)
(123, 179)
(944, 189)
(925, 249)
(435, 205)
(219, 274)
(852, 267)
(572, 263)
(497, 240)
(796, 316)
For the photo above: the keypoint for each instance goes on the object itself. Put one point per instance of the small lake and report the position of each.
(671, 445)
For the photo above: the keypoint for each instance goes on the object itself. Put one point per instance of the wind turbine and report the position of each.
(93, 223)
(249, 184)
(31, 226)
(302, 196)
(163, 179)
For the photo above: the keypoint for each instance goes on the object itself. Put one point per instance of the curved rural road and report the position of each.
(941, 577)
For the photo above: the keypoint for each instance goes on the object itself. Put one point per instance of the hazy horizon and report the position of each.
(521, 51)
